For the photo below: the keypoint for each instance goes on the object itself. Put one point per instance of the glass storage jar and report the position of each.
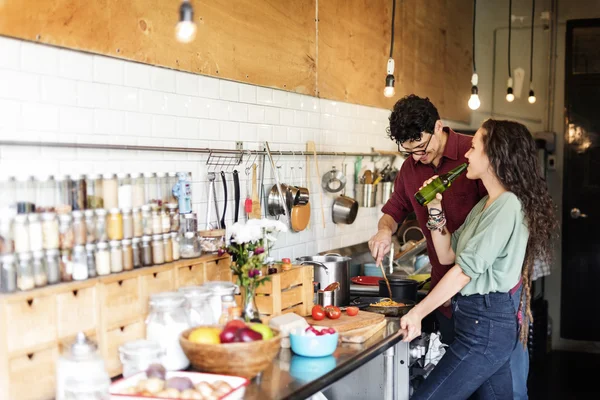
(138, 355)
(161, 183)
(156, 222)
(53, 266)
(94, 191)
(64, 194)
(79, 228)
(116, 256)
(66, 265)
(147, 220)
(176, 246)
(151, 188)
(8, 273)
(127, 255)
(25, 279)
(110, 191)
(197, 305)
(102, 259)
(26, 188)
(114, 224)
(158, 250)
(137, 190)
(80, 267)
(7, 244)
(66, 239)
(36, 241)
(189, 245)
(173, 216)
(90, 226)
(165, 220)
(45, 194)
(50, 236)
(165, 322)
(168, 246)
(125, 194)
(101, 232)
(212, 240)
(138, 224)
(90, 250)
(146, 251)
(79, 198)
(172, 180)
(21, 233)
(127, 223)
(40, 275)
(137, 252)
(8, 198)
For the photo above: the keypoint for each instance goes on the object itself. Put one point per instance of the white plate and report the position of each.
(236, 382)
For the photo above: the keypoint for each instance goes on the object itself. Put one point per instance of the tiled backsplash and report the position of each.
(52, 94)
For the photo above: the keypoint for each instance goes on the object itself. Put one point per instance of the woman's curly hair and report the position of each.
(512, 152)
(411, 116)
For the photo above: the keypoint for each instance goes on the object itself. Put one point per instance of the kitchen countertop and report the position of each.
(295, 377)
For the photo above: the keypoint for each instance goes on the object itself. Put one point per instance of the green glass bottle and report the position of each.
(439, 185)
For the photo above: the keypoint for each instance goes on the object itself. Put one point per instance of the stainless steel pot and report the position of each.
(275, 206)
(344, 210)
(331, 268)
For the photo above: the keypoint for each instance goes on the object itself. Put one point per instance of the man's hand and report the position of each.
(380, 244)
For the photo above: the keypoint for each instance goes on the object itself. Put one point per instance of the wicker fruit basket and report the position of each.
(239, 359)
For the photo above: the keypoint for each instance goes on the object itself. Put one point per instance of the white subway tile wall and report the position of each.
(52, 94)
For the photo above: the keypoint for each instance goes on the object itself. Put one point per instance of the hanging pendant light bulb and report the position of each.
(185, 31)
(389, 90)
(510, 97)
(531, 97)
(474, 102)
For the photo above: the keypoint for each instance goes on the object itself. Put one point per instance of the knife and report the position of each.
(225, 199)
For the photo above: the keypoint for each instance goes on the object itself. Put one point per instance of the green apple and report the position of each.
(263, 329)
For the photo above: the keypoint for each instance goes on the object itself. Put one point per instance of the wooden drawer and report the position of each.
(76, 311)
(190, 275)
(115, 338)
(155, 283)
(31, 323)
(218, 270)
(32, 376)
(121, 301)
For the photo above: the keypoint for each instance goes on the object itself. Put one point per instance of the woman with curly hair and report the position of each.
(492, 251)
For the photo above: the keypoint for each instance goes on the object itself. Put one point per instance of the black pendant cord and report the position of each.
(531, 52)
(509, 32)
(474, 19)
(393, 16)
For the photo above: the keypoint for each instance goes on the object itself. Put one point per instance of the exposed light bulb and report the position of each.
(510, 97)
(389, 90)
(531, 97)
(185, 31)
(474, 102)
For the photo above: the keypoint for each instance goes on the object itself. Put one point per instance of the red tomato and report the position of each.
(332, 312)
(318, 313)
(352, 311)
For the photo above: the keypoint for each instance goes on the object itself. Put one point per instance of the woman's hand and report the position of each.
(411, 322)
(437, 202)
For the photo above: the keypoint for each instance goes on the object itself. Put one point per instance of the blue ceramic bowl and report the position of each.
(371, 269)
(308, 369)
(314, 346)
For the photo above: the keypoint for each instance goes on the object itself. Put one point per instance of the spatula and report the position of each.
(256, 213)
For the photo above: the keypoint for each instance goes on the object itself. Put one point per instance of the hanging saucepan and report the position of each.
(274, 203)
(300, 194)
(300, 215)
(344, 208)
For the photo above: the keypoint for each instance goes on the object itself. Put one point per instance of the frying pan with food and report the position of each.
(365, 303)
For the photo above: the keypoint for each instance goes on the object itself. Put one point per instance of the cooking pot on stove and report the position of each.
(402, 288)
(328, 269)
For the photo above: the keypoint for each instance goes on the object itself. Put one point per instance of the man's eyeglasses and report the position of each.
(407, 154)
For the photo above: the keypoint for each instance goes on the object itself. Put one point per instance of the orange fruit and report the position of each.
(205, 336)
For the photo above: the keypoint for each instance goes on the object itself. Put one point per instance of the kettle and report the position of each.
(182, 191)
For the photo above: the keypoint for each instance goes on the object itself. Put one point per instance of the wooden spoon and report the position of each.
(368, 177)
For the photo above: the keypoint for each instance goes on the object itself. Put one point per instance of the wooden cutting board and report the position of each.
(361, 335)
(346, 323)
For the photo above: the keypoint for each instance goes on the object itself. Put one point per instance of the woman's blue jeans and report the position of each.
(478, 361)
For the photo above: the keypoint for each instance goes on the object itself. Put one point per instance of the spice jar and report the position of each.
(138, 355)
(50, 237)
(25, 194)
(40, 275)
(172, 180)
(94, 191)
(151, 188)
(114, 224)
(7, 245)
(101, 232)
(66, 238)
(138, 225)
(125, 194)
(25, 279)
(90, 250)
(53, 266)
(116, 256)
(176, 246)
(45, 194)
(156, 222)
(161, 184)
(110, 191)
(127, 223)
(137, 252)
(79, 228)
(21, 233)
(147, 220)
(64, 194)
(127, 255)
(36, 241)
(137, 189)
(66, 266)
(8, 274)
(80, 268)
(102, 258)
(173, 217)
(79, 198)
(8, 197)
(165, 322)
(198, 309)
(286, 264)
(90, 226)
(158, 250)
(165, 221)
(146, 251)
(212, 240)
(168, 246)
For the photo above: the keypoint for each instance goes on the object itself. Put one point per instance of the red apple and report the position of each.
(247, 335)
(228, 335)
(235, 323)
